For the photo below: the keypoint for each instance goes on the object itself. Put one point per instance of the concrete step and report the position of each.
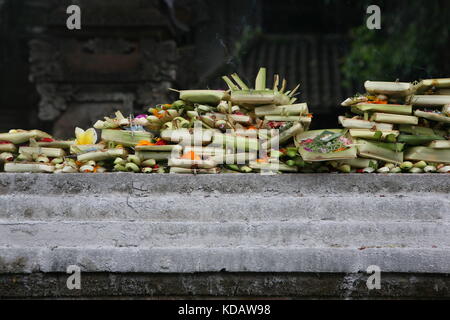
(241, 223)
(238, 260)
(299, 184)
(311, 234)
(224, 208)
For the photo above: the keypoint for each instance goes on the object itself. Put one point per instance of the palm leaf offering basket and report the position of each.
(394, 127)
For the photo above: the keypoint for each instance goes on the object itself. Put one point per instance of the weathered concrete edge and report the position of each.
(224, 207)
(142, 185)
(225, 285)
(190, 260)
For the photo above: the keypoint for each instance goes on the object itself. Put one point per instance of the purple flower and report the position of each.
(141, 116)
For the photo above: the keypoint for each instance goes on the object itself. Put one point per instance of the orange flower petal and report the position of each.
(190, 156)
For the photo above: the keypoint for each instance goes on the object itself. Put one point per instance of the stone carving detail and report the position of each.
(53, 100)
(90, 67)
(45, 60)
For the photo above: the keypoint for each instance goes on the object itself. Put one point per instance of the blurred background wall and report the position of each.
(128, 53)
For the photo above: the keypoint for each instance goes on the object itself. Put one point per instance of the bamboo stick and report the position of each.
(432, 116)
(84, 148)
(260, 82)
(293, 92)
(230, 83)
(427, 84)
(158, 156)
(126, 138)
(49, 152)
(212, 97)
(389, 88)
(176, 170)
(239, 81)
(240, 118)
(259, 97)
(165, 148)
(7, 147)
(372, 135)
(283, 136)
(353, 101)
(363, 124)
(103, 155)
(288, 110)
(385, 108)
(272, 167)
(429, 100)
(205, 151)
(185, 136)
(29, 167)
(235, 142)
(446, 110)
(306, 120)
(6, 156)
(18, 137)
(188, 163)
(56, 144)
(394, 118)
(238, 158)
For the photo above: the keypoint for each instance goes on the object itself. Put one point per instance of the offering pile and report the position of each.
(205, 131)
(395, 127)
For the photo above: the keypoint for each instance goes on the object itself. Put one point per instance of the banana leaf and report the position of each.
(165, 148)
(428, 154)
(429, 100)
(49, 152)
(394, 118)
(363, 124)
(427, 84)
(289, 110)
(7, 147)
(400, 89)
(29, 167)
(432, 116)
(372, 135)
(416, 140)
(126, 138)
(440, 144)
(416, 130)
(360, 163)
(385, 108)
(379, 151)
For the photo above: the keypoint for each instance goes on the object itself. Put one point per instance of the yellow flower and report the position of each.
(85, 137)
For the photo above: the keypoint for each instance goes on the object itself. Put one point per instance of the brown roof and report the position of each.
(311, 60)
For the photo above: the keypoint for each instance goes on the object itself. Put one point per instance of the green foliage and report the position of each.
(412, 44)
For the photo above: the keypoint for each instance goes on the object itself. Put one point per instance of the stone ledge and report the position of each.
(143, 185)
(247, 259)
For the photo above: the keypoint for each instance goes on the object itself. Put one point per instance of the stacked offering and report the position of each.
(34, 151)
(395, 127)
(205, 131)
